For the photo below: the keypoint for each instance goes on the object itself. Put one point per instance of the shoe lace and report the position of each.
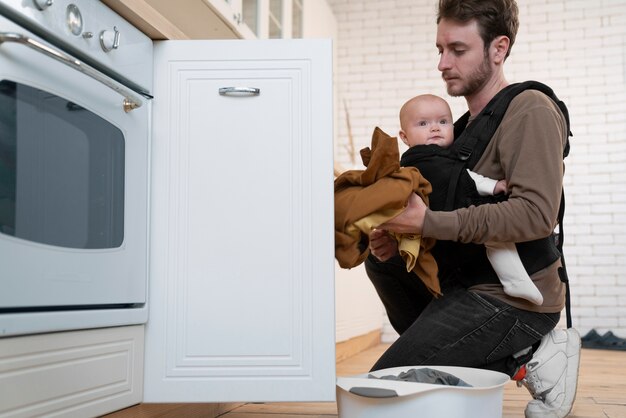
(532, 382)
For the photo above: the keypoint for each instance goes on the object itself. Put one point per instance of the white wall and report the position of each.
(386, 54)
(358, 310)
(318, 20)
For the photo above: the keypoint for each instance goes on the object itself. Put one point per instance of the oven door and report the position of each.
(73, 197)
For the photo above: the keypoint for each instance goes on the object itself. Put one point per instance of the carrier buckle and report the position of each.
(465, 152)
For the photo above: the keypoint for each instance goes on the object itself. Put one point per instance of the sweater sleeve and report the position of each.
(527, 150)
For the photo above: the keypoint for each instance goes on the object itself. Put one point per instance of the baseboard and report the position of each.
(353, 346)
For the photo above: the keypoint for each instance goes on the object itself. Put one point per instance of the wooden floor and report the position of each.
(601, 394)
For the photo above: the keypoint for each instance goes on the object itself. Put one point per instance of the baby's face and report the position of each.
(427, 121)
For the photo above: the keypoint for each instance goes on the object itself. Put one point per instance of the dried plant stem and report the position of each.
(350, 145)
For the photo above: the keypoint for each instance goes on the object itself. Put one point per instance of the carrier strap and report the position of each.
(471, 141)
(463, 154)
(563, 268)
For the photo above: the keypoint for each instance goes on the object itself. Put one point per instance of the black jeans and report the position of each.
(459, 328)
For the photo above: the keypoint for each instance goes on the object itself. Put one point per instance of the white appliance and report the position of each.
(241, 243)
(75, 84)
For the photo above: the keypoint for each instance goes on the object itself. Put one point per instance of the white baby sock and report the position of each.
(516, 282)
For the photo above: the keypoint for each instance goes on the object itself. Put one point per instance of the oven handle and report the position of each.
(131, 100)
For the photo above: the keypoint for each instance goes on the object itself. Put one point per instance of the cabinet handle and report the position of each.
(239, 91)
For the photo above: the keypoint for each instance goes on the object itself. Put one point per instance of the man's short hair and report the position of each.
(494, 17)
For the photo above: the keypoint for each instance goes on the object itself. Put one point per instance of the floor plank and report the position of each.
(601, 393)
(601, 390)
(314, 408)
(236, 414)
(173, 410)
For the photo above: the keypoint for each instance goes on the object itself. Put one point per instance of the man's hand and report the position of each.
(501, 187)
(410, 221)
(382, 245)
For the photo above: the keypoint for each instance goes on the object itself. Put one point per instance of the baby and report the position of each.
(427, 120)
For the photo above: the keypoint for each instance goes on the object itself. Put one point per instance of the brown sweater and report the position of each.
(527, 151)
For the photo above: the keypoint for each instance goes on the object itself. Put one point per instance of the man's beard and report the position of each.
(475, 81)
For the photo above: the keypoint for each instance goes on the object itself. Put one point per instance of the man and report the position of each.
(474, 323)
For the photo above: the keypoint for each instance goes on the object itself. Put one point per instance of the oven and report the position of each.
(74, 167)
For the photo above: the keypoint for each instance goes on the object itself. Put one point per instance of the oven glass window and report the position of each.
(61, 171)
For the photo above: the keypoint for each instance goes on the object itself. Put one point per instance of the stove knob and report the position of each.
(74, 19)
(43, 4)
(110, 40)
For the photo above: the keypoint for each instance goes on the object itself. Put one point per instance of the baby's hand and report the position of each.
(501, 187)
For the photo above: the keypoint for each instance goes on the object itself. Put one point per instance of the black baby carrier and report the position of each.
(453, 188)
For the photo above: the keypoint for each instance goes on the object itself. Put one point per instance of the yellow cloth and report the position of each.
(409, 248)
(367, 198)
(408, 244)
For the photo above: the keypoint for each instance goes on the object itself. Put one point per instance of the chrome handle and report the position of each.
(131, 100)
(109, 41)
(239, 91)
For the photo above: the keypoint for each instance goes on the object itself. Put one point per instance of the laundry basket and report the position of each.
(362, 397)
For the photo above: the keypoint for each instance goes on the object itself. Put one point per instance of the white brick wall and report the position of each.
(386, 54)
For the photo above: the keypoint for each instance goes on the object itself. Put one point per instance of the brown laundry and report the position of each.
(379, 193)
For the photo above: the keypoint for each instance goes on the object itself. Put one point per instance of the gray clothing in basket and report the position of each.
(425, 375)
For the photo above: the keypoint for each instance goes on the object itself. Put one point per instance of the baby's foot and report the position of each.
(524, 289)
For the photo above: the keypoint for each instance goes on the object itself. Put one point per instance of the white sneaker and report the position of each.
(552, 375)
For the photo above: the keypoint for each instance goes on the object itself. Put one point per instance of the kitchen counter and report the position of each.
(167, 19)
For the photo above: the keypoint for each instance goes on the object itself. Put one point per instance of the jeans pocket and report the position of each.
(519, 337)
(487, 302)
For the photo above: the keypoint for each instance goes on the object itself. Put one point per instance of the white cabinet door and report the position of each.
(241, 274)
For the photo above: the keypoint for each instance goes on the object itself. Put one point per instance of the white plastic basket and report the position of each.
(362, 397)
